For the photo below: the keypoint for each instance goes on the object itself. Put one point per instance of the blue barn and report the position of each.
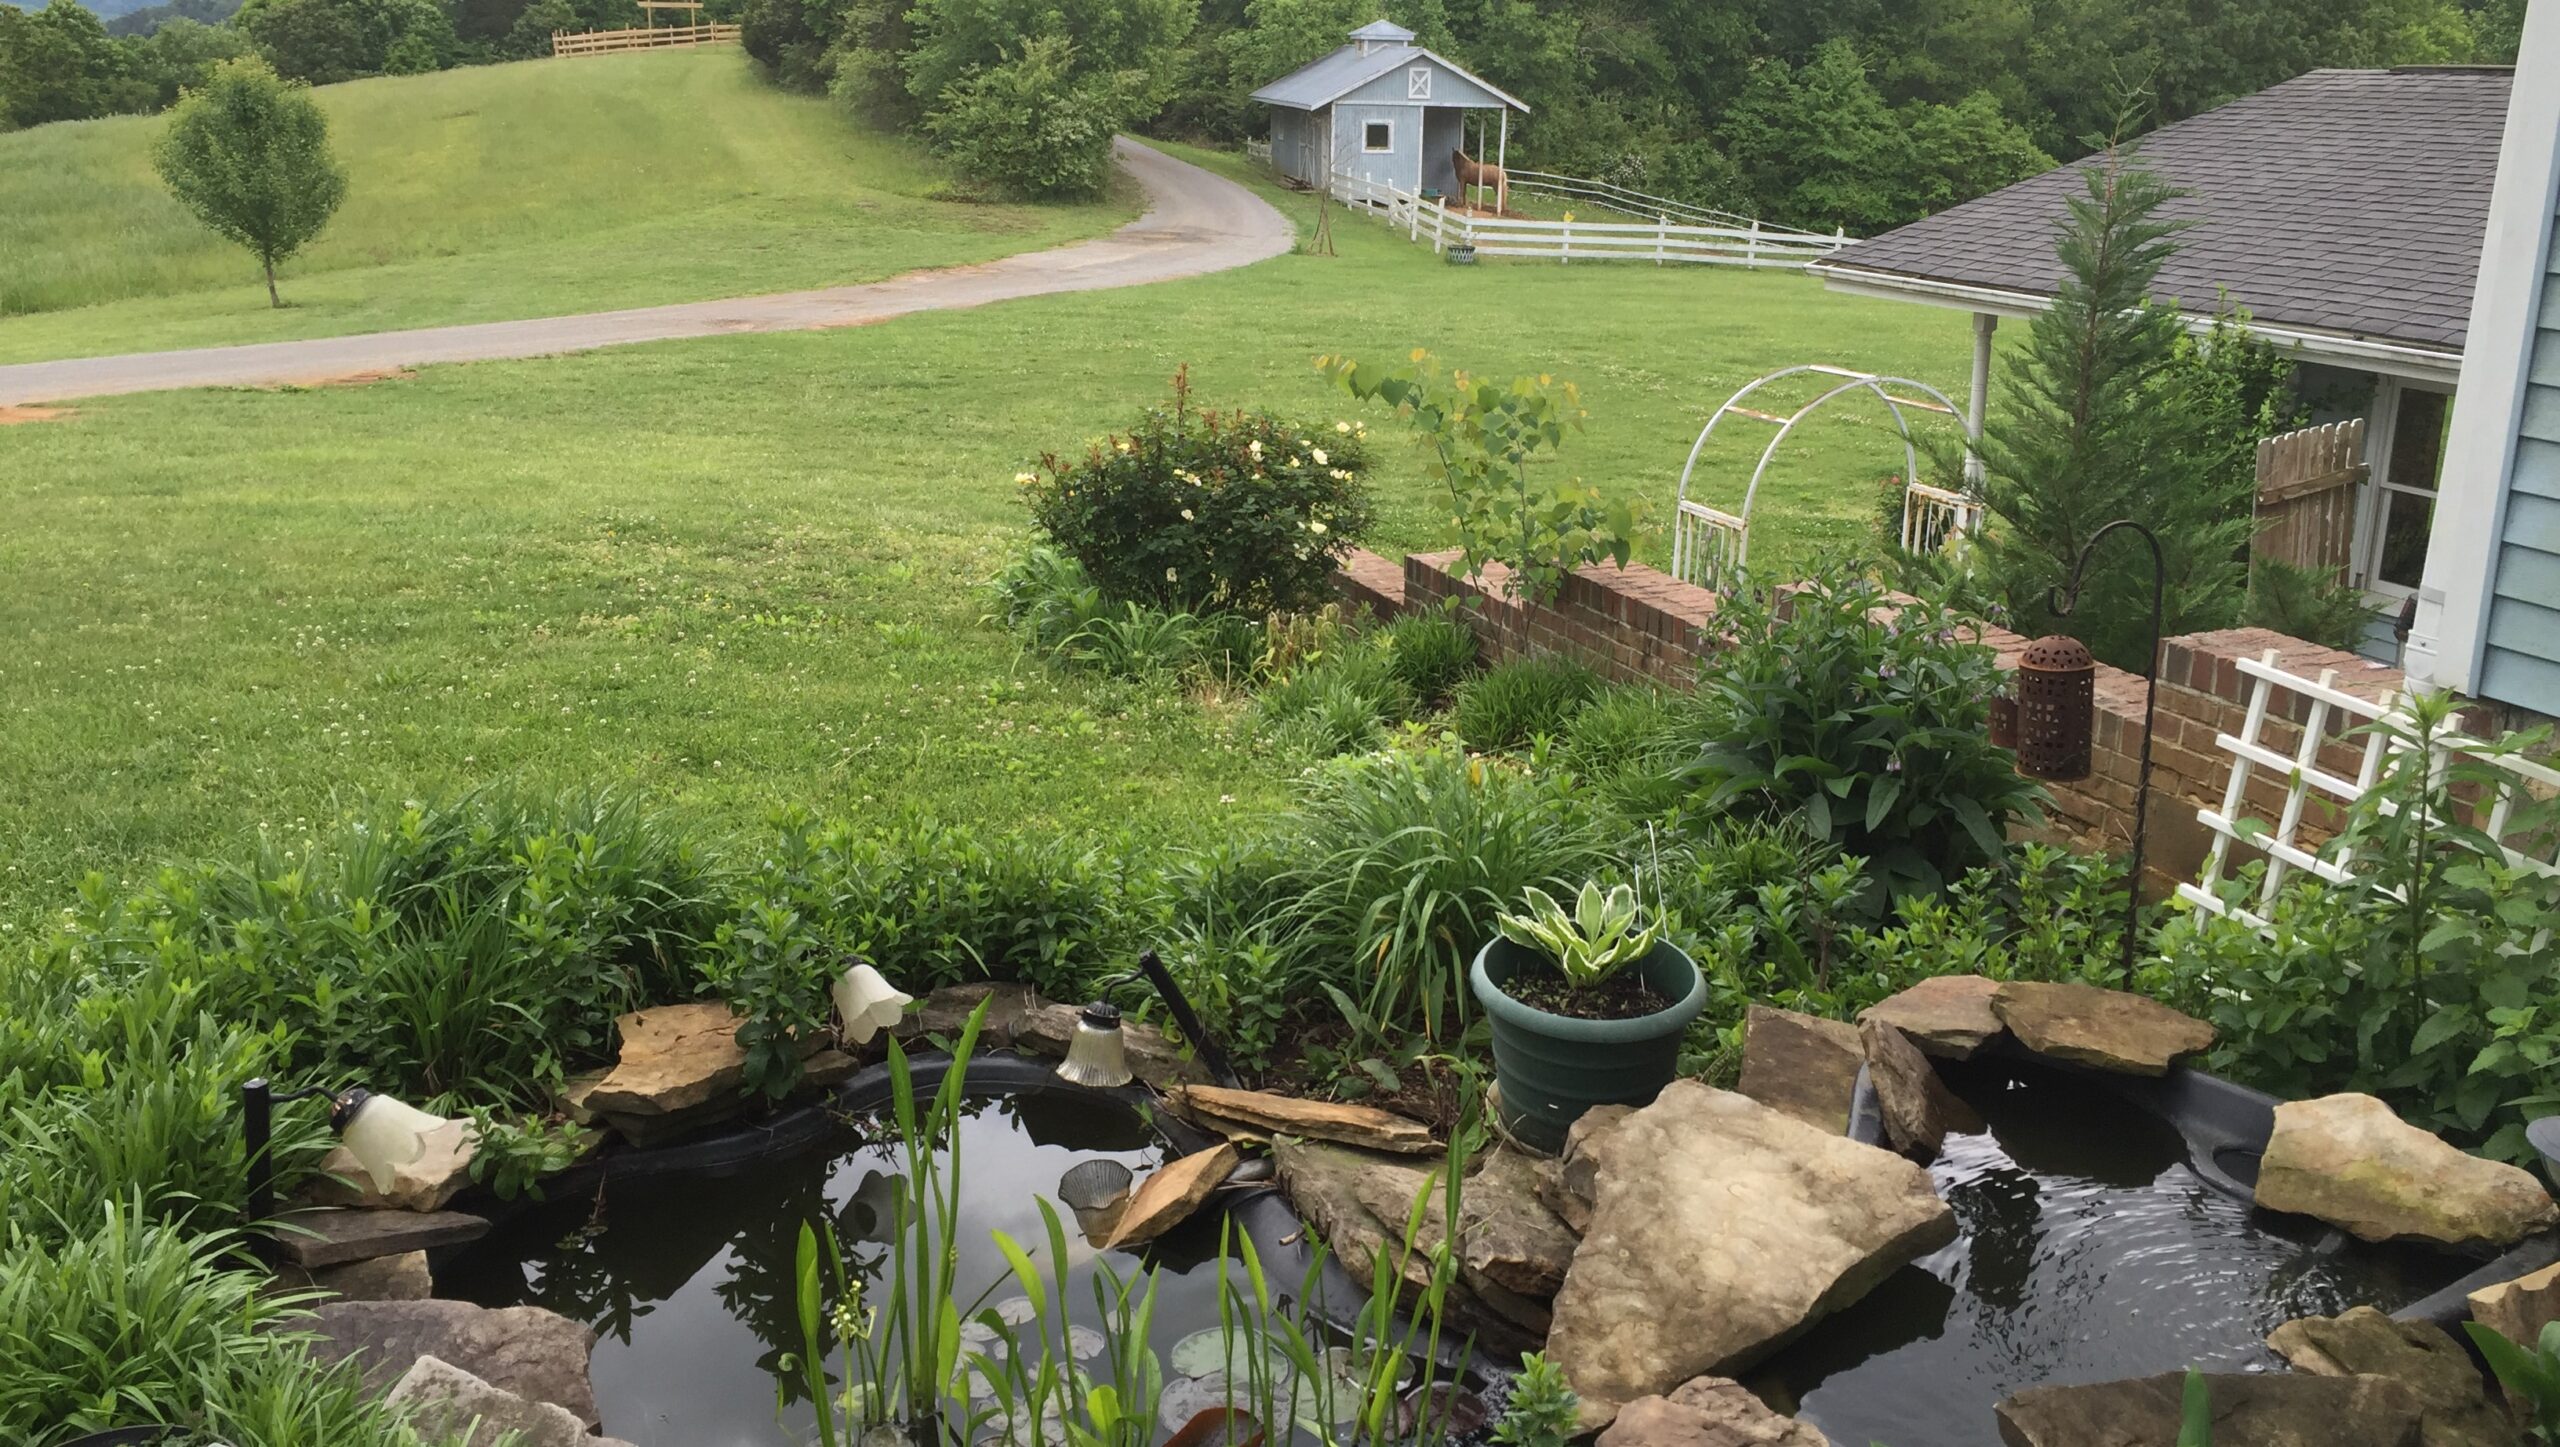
(1383, 109)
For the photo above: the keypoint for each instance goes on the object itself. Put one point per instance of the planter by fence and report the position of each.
(1552, 1068)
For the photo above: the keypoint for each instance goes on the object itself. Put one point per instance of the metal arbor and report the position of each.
(1709, 545)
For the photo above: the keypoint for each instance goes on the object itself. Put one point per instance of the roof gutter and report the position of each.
(2410, 362)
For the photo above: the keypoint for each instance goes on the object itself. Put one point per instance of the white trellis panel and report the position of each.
(2331, 711)
(1932, 515)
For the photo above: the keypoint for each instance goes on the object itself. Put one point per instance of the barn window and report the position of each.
(1378, 136)
(1417, 83)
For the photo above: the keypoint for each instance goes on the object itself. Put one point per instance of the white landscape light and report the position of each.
(866, 1003)
(1097, 1055)
(381, 1133)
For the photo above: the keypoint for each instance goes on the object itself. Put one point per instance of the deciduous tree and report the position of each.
(249, 155)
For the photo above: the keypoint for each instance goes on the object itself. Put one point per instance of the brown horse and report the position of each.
(1473, 173)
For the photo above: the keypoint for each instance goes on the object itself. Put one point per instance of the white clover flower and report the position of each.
(1321, 459)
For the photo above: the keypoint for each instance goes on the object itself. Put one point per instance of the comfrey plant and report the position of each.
(1589, 943)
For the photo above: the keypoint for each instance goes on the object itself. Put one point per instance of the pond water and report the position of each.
(2088, 1251)
(687, 1279)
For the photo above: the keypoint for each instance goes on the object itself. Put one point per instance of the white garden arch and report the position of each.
(1709, 545)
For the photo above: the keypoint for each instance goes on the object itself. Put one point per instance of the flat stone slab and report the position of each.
(536, 1354)
(1357, 1202)
(334, 1236)
(2349, 1161)
(1168, 1198)
(1720, 1229)
(1802, 1065)
(2453, 1398)
(674, 1058)
(2518, 1310)
(403, 1277)
(1708, 1412)
(2249, 1410)
(1919, 1111)
(1949, 1016)
(2107, 1029)
(1261, 1114)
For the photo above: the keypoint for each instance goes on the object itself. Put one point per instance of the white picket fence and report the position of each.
(1611, 196)
(1661, 241)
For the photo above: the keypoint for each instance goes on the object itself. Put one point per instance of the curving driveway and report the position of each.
(1196, 222)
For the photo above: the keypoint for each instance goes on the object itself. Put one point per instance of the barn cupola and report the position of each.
(1380, 35)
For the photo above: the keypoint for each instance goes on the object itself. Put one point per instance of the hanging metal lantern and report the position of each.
(2057, 709)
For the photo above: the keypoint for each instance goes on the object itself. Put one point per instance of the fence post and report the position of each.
(1564, 246)
(1751, 247)
(1661, 237)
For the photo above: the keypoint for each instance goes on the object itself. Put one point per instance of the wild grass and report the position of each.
(532, 189)
(1520, 699)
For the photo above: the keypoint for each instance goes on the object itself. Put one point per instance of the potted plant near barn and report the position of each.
(1588, 1005)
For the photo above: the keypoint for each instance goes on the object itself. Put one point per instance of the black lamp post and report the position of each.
(392, 1134)
(2057, 709)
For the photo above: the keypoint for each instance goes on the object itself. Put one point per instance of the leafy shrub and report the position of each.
(1866, 718)
(1343, 700)
(1204, 511)
(2306, 603)
(2424, 980)
(1433, 651)
(1520, 699)
(1395, 864)
(1029, 126)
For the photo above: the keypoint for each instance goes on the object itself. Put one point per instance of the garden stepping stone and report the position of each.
(334, 1236)
(2518, 1310)
(1259, 1115)
(440, 1173)
(2453, 1399)
(536, 1354)
(2252, 1409)
(1708, 1412)
(443, 1399)
(1803, 1065)
(2347, 1160)
(1919, 1111)
(1949, 1016)
(1170, 1196)
(2108, 1029)
(1153, 1057)
(1720, 1229)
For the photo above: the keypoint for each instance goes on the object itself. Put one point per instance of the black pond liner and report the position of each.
(1253, 1203)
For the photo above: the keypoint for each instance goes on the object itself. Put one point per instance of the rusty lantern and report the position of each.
(2057, 708)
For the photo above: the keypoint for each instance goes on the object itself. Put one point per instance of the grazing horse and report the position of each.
(1473, 173)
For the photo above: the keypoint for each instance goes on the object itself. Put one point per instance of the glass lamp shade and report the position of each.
(383, 1134)
(1097, 1055)
(867, 1004)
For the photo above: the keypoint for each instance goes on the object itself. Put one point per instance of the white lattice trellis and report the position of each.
(2330, 711)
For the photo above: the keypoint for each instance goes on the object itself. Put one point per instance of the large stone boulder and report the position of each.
(2249, 1410)
(441, 1172)
(1719, 1230)
(1803, 1065)
(535, 1354)
(2453, 1400)
(1919, 1111)
(442, 1399)
(1949, 1016)
(1707, 1412)
(1569, 1183)
(674, 1058)
(2349, 1161)
(2108, 1029)
(2518, 1310)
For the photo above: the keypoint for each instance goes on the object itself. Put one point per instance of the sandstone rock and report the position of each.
(1707, 1412)
(1919, 1111)
(1169, 1197)
(1261, 1115)
(442, 1399)
(333, 1237)
(1357, 1202)
(945, 1013)
(2109, 1029)
(536, 1354)
(571, 1098)
(440, 1173)
(1949, 1016)
(2453, 1401)
(1153, 1058)
(1568, 1185)
(2518, 1310)
(657, 1130)
(403, 1277)
(1511, 1240)
(2249, 1410)
(1719, 1230)
(1803, 1065)
(2349, 1161)
(827, 1068)
(673, 1057)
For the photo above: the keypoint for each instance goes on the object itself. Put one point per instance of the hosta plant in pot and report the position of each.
(1588, 1005)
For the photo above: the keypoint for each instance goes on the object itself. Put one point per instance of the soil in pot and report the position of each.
(1623, 996)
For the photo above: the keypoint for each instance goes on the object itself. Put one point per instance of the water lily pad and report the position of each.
(1017, 1311)
(1084, 1343)
(1188, 1396)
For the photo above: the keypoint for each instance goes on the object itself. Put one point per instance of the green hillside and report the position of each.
(495, 192)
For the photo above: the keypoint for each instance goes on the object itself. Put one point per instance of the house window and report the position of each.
(2408, 456)
(1378, 136)
(1417, 83)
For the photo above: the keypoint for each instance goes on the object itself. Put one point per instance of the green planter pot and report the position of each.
(1552, 1068)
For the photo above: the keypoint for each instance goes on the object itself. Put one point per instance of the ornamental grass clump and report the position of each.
(1200, 512)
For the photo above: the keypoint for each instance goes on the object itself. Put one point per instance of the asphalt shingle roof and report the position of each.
(1321, 82)
(2349, 201)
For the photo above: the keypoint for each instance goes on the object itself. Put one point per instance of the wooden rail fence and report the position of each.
(605, 42)
(2307, 495)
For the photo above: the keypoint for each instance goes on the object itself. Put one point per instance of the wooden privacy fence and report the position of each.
(1658, 241)
(2307, 483)
(604, 42)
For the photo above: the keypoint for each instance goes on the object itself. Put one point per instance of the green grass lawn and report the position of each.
(738, 572)
(496, 192)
